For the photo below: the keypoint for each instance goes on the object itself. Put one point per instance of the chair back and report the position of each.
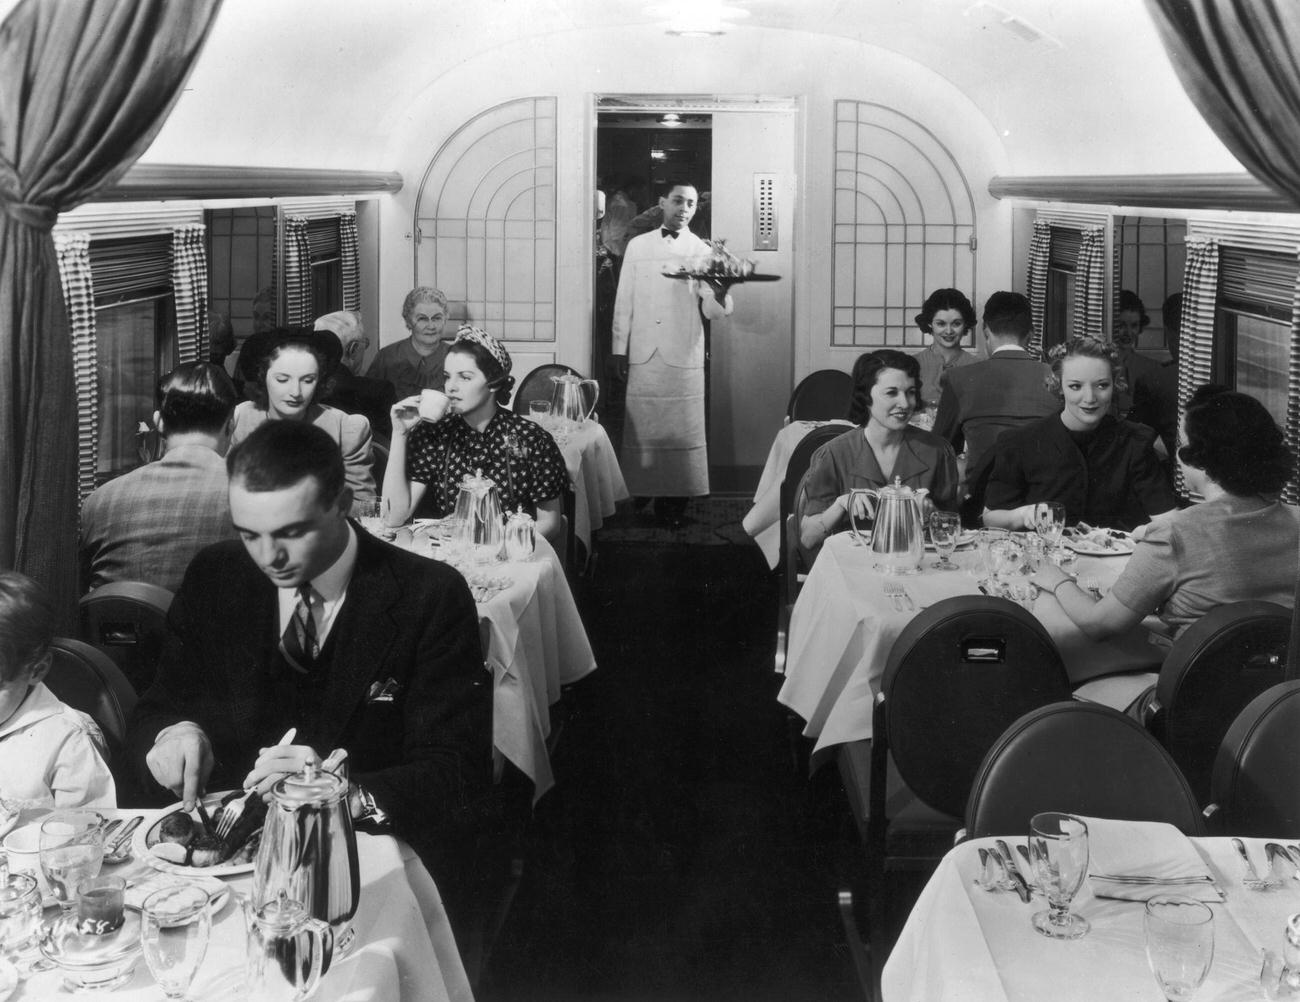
(1254, 783)
(127, 620)
(1082, 758)
(87, 680)
(957, 676)
(792, 484)
(1213, 670)
(821, 396)
(537, 385)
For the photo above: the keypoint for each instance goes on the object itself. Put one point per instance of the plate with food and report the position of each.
(718, 276)
(1087, 541)
(177, 843)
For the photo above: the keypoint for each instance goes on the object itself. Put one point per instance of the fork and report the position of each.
(894, 592)
(233, 811)
(1252, 880)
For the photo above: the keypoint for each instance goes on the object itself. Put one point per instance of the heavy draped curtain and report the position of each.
(85, 85)
(1239, 62)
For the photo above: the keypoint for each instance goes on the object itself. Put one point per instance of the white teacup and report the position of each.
(433, 405)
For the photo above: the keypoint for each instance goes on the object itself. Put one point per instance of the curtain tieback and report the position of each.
(38, 217)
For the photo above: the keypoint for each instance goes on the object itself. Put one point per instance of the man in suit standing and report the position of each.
(147, 524)
(308, 622)
(1007, 390)
(658, 345)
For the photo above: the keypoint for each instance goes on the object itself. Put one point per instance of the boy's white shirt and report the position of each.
(52, 756)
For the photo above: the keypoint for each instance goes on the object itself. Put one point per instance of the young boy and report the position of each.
(51, 756)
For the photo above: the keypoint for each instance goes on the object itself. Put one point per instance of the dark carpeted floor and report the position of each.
(681, 856)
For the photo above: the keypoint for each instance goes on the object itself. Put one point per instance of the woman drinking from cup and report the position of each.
(1104, 470)
(1240, 544)
(292, 365)
(883, 448)
(438, 439)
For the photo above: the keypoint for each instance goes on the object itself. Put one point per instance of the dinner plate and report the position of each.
(146, 837)
(141, 887)
(1120, 545)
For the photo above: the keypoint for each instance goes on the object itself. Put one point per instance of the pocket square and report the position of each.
(384, 692)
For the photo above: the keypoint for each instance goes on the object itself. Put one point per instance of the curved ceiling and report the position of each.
(1071, 87)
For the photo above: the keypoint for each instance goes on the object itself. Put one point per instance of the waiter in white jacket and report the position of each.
(658, 344)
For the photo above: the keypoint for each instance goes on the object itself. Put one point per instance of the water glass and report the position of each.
(371, 516)
(1049, 522)
(20, 914)
(1180, 944)
(945, 526)
(1058, 854)
(981, 567)
(176, 924)
(72, 851)
(540, 411)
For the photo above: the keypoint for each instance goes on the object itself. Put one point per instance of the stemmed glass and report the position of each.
(944, 529)
(1049, 523)
(174, 935)
(71, 851)
(1058, 853)
(1180, 944)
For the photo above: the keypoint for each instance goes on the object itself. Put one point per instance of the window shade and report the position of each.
(323, 238)
(133, 267)
(1258, 279)
(1065, 248)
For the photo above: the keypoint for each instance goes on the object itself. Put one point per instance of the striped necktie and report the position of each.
(300, 642)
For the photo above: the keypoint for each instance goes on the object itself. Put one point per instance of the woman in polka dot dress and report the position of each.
(428, 460)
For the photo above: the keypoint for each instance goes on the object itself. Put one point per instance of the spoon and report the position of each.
(1252, 880)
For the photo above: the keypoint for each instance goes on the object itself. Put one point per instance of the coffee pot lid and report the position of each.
(309, 788)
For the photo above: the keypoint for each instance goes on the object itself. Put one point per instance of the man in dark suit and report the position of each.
(307, 622)
(1007, 390)
(347, 389)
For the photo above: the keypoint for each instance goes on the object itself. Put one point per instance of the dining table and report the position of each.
(961, 941)
(403, 948)
(843, 626)
(762, 522)
(537, 644)
(594, 473)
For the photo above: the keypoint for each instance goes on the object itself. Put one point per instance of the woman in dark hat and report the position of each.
(293, 364)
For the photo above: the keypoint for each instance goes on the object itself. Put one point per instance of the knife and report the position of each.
(1013, 871)
(1273, 849)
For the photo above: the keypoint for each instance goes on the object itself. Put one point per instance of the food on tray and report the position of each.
(182, 840)
(718, 263)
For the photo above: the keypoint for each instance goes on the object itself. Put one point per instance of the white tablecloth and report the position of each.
(538, 644)
(762, 521)
(404, 947)
(962, 942)
(842, 628)
(596, 477)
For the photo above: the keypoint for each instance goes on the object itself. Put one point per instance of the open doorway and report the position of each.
(637, 154)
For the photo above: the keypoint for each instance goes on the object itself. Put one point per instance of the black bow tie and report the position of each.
(670, 234)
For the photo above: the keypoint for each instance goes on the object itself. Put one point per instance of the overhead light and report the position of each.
(658, 155)
(697, 18)
(670, 120)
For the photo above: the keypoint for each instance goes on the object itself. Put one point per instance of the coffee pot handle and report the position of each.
(595, 396)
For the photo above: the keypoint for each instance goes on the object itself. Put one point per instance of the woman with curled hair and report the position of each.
(1104, 470)
(1239, 544)
(472, 430)
(294, 364)
(883, 448)
(947, 316)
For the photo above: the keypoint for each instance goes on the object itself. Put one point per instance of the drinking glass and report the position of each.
(981, 568)
(100, 904)
(174, 933)
(1180, 944)
(72, 851)
(945, 526)
(370, 514)
(1006, 563)
(1058, 853)
(1049, 523)
(20, 914)
(540, 411)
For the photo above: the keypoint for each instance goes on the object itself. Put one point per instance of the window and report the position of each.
(136, 344)
(1252, 325)
(1058, 319)
(326, 266)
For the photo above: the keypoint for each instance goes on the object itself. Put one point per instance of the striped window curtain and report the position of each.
(1090, 280)
(190, 291)
(1040, 253)
(296, 272)
(73, 250)
(1291, 492)
(1196, 340)
(349, 261)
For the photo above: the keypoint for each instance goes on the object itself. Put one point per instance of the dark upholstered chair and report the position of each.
(87, 680)
(1082, 758)
(1213, 670)
(1255, 784)
(957, 676)
(823, 395)
(537, 385)
(127, 620)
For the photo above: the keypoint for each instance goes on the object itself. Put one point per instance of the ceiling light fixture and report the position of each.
(670, 120)
(697, 19)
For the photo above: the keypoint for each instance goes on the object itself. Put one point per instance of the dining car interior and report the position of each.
(639, 499)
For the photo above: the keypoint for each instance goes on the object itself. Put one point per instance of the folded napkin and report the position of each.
(1140, 860)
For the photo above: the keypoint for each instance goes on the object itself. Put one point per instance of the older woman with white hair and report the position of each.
(474, 432)
(415, 364)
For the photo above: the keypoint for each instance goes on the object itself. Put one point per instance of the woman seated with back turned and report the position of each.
(474, 432)
(1102, 469)
(293, 364)
(1240, 544)
(883, 448)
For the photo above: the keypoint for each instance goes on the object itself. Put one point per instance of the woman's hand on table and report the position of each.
(1049, 577)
